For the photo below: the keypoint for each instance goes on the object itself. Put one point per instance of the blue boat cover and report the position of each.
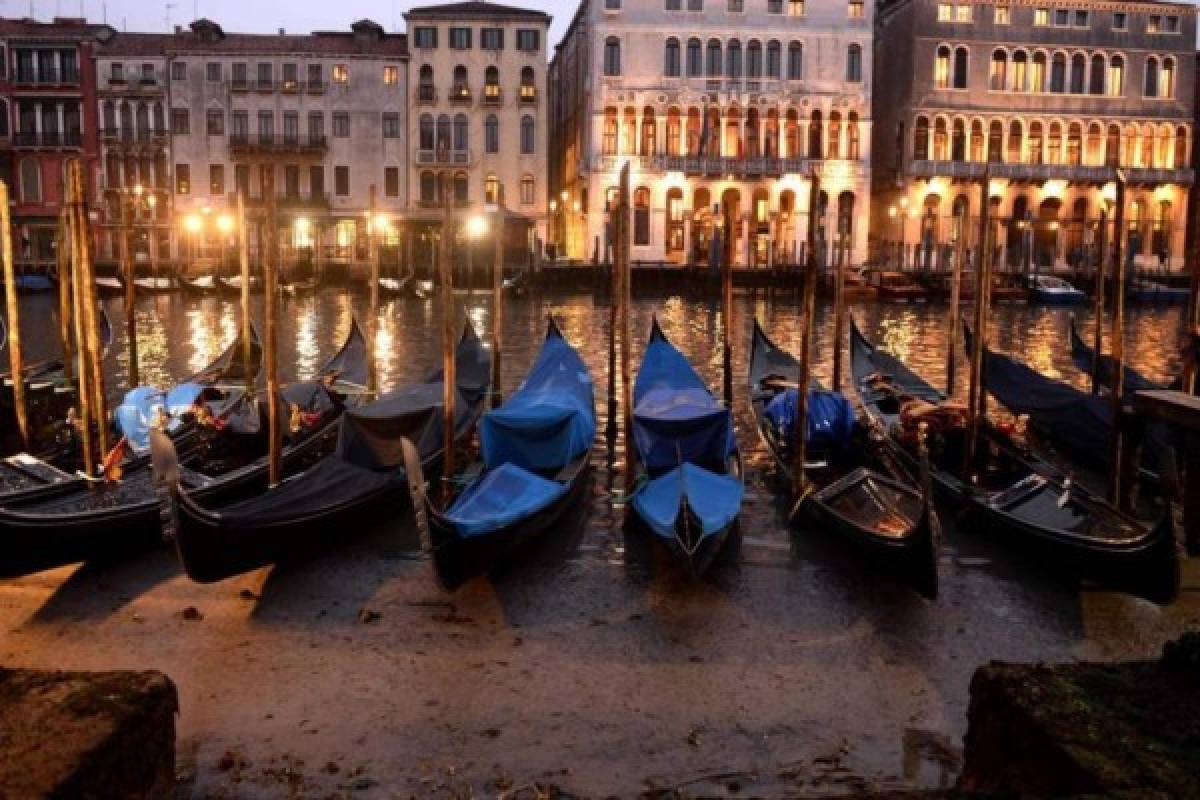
(502, 496)
(675, 418)
(830, 418)
(137, 410)
(550, 420)
(714, 499)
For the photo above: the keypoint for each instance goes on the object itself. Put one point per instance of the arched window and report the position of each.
(1116, 76)
(774, 60)
(771, 134)
(1074, 144)
(960, 68)
(1058, 73)
(461, 194)
(977, 151)
(1020, 71)
(791, 135)
(641, 216)
(674, 219)
(754, 62)
(31, 181)
(528, 85)
(426, 76)
(1034, 151)
(1095, 146)
(733, 59)
(921, 139)
(835, 135)
(1181, 147)
(461, 89)
(426, 132)
(1015, 142)
(941, 68)
(649, 133)
(443, 133)
(998, 76)
(608, 145)
(629, 137)
(491, 84)
(671, 59)
(143, 119)
(528, 196)
(1054, 144)
(852, 136)
(1096, 79)
(713, 67)
(1078, 69)
(528, 136)
(958, 141)
(1037, 73)
(694, 125)
(491, 189)
(733, 135)
(695, 65)
(854, 63)
(674, 131)
(1112, 147)
(995, 145)
(110, 115)
(160, 120)
(612, 56)
(460, 133)
(815, 138)
(428, 188)
(940, 137)
(752, 134)
(112, 170)
(1151, 87)
(491, 134)
(126, 120)
(1166, 78)
(795, 70)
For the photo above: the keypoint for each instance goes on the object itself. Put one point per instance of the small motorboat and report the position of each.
(690, 468)
(896, 287)
(1144, 291)
(155, 285)
(233, 284)
(535, 451)
(110, 285)
(1050, 290)
(33, 282)
(199, 284)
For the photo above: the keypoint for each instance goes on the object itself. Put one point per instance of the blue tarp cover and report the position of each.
(830, 418)
(714, 499)
(136, 412)
(675, 418)
(550, 420)
(501, 497)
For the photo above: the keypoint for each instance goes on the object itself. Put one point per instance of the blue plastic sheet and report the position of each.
(550, 420)
(714, 499)
(137, 411)
(675, 418)
(830, 418)
(504, 495)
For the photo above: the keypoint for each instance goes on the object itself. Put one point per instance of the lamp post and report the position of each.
(476, 228)
(903, 214)
(893, 216)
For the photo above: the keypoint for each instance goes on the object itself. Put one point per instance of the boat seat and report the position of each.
(192, 479)
(36, 468)
(1017, 492)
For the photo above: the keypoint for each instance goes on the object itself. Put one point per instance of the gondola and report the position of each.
(1025, 504)
(199, 284)
(534, 457)
(298, 285)
(24, 478)
(110, 285)
(690, 469)
(33, 282)
(114, 285)
(396, 287)
(322, 505)
(1054, 291)
(232, 284)
(889, 519)
(106, 518)
(1084, 357)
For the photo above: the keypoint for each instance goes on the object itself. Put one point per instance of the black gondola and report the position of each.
(1027, 503)
(322, 505)
(1084, 357)
(535, 453)
(887, 518)
(105, 518)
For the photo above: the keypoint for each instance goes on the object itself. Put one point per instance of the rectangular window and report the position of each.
(316, 76)
(212, 72)
(341, 181)
(1061, 17)
(1154, 24)
(291, 77)
(266, 126)
(1120, 21)
(795, 8)
(460, 38)
(945, 12)
(240, 125)
(1001, 15)
(391, 182)
(962, 13)
(118, 73)
(391, 75)
(529, 40)
(341, 74)
(265, 76)
(183, 179)
(291, 127)
(391, 126)
(216, 179)
(491, 38)
(695, 5)
(148, 73)
(1172, 24)
(774, 6)
(215, 122)
(1041, 17)
(425, 37)
(316, 126)
(291, 180)
(341, 124)
(527, 190)
(316, 181)
(855, 9)
(612, 5)
(239, 75)
(178, 71)
(180, 122)
(1081, 19)
(736, 6)
(241, 178)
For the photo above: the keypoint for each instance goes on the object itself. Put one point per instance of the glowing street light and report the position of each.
(477, 227)
(225, 223)
(192, 223)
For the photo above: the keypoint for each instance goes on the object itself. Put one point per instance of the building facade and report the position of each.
(48, 115)
(478, 115)
(724, 109)
(323, 115)
(1052, 100)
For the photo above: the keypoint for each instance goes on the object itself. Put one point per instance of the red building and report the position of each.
(47, 115)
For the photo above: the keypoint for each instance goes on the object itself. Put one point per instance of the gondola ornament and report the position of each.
(417, 489)
(165, 463)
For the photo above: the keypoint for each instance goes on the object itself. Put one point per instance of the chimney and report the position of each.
(282, 32)
(178, 29)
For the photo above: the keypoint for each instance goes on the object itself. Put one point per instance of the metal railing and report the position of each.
(47, 76)
(456, 157)
(426, 94)
(278, 142)
(1078, 173)
(47, 139)
(127, 135)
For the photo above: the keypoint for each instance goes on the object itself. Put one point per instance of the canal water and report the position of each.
(589, 662)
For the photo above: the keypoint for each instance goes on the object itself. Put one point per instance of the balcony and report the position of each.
(287, 144)
(319, 201)
(762, 166)
(493, 95)
(456, 158)
(315, 87)
(528, 95)
(239, 85)
(460, 95)
(264, 86)
(126, 136)
(426, 95)
(47, 139)
(47, 77)
(289, 85)
(1040, 173)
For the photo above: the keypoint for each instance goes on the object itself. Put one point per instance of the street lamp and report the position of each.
(476, 228)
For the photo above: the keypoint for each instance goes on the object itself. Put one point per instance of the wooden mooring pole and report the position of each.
(621, 254)
(244, 265)
(374, 235)
(268, 255)
(1101, 280)
(16, 360)
(983, 279)
(1116, 386)
(729, 245)
(63, 261)
(960, 257)
(808, 306)
(497, 298)
(128, 275)
(85, 287)
(449, 343)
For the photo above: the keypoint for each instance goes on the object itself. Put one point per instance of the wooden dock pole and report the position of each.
(79, 299)
(271, 353)
(808, 305)
(497, 298)
(244, 265)
(625, 280)
(1101, 280)
(374, 234)
(85, 285)
(1116, 386)
(127, 274)
(614, 325)
(730, 247)
(960, 257)
(449, 343)
(839, 317)
(16, 361)
(983, 279)
(63, 262)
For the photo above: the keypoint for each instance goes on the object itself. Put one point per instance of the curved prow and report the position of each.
(3, 333)
(417, 490)
(165, 463)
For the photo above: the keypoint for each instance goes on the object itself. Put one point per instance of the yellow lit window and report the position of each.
(945, 12)
(962, 13)
(855, 9)
(1041, 16)
(341, 74)
(1001, 15)
(391, 76)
